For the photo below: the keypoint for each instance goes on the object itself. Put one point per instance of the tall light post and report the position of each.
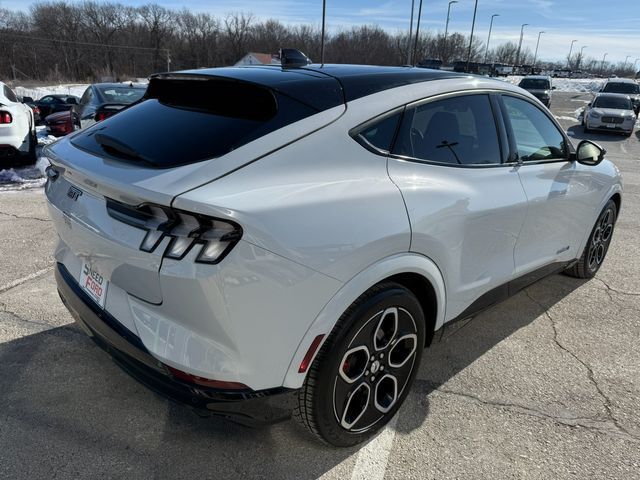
(473, 25)
(410, 34)
(535, 55)
(446, 27)
(602, 64)
(415, 45)
(520, 44)
(486, 51)
(570, 50)
(581, 54)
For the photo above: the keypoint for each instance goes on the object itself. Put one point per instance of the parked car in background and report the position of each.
(60, 124)
(102, 100)
(611, 112)
(257, 240)
(54, 103)
(34, 108)
(625, 86)
(17, 128)
(539, 86)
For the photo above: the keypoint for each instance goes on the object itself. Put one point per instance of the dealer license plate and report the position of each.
(611, 125)
(94, 284)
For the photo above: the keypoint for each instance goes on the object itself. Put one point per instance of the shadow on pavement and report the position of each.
(462, 343)
(577, 132)
(65, 408)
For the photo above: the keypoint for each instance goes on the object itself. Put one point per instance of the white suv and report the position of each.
(257, 240)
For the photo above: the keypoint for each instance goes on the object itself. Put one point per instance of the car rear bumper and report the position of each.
(249, 407)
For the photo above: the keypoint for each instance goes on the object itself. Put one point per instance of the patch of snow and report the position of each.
(560, 117)
(578, 113)
(36, 93)
(23, 178)
(580, 85)
(43, 137)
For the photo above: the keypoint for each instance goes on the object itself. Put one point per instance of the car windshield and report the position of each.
(48, 100)
(619, 103)
(619, 87)
(122, 94)
(535, 84)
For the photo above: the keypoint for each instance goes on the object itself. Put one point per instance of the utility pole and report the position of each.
(446, 28)
(535, 56)
(602, 64)
(410, 34)
(520, 44)
(415, 45)
(486, 51)
(324, 16)
(473, 25)
(580, 57)
(569, 57)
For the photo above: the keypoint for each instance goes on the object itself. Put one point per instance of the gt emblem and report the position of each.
(74, 193)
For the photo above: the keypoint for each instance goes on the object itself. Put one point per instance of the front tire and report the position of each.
(365, 368)
(598, 244)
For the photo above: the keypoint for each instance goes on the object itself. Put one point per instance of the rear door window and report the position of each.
(458, 131)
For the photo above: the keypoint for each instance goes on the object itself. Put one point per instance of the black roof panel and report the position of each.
(324, 86)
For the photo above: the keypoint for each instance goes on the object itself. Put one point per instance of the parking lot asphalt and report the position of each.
(546, 385)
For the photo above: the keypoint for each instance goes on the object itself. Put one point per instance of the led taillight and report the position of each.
(212, 236)
(5, 117)
(103, 116)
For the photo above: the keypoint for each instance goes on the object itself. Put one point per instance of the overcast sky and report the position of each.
(604, 26)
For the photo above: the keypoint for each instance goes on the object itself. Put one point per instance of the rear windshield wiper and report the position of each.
(116, 148)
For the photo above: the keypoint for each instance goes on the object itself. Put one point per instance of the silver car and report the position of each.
(610, 112)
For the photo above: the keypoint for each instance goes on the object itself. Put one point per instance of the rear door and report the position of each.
(465, 204)
(562, 194)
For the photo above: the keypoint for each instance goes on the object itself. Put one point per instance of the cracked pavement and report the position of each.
(544, 386)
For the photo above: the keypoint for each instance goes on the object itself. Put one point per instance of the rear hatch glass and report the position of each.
(188, 119)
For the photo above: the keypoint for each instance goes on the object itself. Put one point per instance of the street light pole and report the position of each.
(415, 45)
(410, 34)
(446, 28)
(581, 54)
(520, 44)
(570, 50)
(486, 51)
(535, 56)
(473, 25)
(602, 64)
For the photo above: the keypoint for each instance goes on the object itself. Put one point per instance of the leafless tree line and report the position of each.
(93, 40)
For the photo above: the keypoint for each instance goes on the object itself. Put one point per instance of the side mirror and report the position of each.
(589, 153)
(589, 104)
(553, 88)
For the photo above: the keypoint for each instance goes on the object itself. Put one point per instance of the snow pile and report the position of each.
(43, 137)
(580, 85)
(24, 178)
(36, 93)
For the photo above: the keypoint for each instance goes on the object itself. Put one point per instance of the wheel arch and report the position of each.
(414, 271)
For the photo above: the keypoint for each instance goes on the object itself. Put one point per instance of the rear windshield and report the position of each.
(189, 120)
(535, 84)
(619, 103)
(125, 95)
(620, 87)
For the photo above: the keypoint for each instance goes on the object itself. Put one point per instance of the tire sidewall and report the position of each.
(327, 424)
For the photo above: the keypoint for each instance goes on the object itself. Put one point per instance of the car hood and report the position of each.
(613, 112)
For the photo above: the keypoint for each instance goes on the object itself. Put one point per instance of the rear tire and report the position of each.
(598, 244)
(32, 155)
(365, 368)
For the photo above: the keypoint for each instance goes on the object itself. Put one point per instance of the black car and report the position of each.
(101, 100)
(54, 103)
